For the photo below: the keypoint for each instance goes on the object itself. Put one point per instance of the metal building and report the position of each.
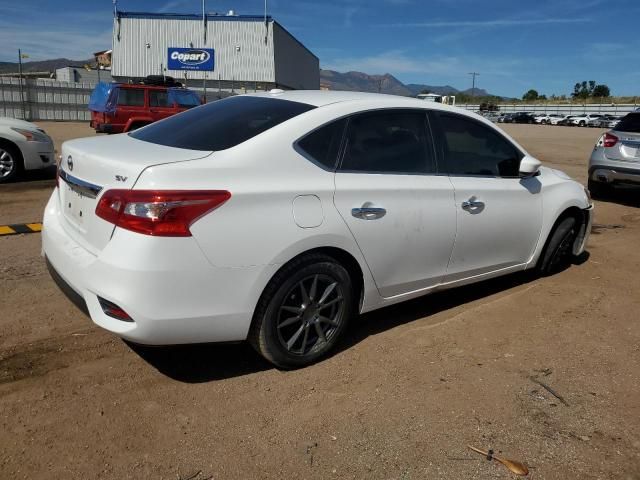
(228, 51)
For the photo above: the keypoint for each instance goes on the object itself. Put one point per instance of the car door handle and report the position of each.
(472, 203)
(368, 213)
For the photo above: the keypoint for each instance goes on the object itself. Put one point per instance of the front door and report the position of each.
(399, 210)
(499, 215)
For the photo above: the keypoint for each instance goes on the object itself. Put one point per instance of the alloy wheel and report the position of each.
(310, 314)
(7, 163)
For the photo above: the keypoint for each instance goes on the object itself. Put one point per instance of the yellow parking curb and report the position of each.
(20, 228)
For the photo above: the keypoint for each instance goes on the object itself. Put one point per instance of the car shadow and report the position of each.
(210, 362)
(627, 195)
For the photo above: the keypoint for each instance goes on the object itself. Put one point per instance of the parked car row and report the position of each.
(583, 120)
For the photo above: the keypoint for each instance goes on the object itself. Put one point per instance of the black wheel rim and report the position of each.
(310, 314)
(561, 254)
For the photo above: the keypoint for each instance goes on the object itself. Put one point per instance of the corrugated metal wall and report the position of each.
(45, 99)
(295, 66)
(240, 50)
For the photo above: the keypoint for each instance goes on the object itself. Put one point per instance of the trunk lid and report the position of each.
(627, 149)
(91, 166)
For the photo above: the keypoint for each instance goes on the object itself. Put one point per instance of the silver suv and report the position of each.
(616, 156)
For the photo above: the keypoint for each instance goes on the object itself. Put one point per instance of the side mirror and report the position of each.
(529, 166)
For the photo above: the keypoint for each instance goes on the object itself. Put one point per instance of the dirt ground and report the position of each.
(410, 388)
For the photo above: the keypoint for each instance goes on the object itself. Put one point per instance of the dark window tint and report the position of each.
(222, 124)
(391, 141)
(185, 98)
(471, 148)
(630, 123)
(158, 98)
(323, 144)
(133, 97)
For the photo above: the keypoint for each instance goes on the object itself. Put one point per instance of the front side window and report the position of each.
(471, 148)
(131, 97)
(221, 124)
(323, 144)
(388, 141)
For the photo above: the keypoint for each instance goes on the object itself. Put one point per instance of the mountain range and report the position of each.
(351, 81)
(387, 83)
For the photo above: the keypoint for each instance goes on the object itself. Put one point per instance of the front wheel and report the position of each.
(303, 312)
(10, 163)
(558, 253)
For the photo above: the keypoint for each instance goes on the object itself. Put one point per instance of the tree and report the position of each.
(584, 89)
(601, 91)
(531, 96)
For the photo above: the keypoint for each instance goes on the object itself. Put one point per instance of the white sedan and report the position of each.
(277, 217)
(23, 146)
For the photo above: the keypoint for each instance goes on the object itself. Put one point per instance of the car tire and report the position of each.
(10, 162)
(599, 189)
(558, 252)
(582, 123)
(296, 323)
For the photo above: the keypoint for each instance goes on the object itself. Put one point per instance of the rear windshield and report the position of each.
(630, 123)
(221, 124)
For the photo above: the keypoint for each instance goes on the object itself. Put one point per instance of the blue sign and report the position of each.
(199, 59)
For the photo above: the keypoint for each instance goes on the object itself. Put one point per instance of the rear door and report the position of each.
(399, 210)
(159, 106)
(498, 214)
(627, 149)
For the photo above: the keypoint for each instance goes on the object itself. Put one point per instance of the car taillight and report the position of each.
(609, 140)
(164, 213)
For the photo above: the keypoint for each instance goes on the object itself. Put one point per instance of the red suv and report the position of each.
(122, 107)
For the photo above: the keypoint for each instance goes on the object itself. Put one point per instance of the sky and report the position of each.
(514, 45)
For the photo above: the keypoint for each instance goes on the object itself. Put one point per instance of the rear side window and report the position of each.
(388, 141)
(158, 98)
(222, 124)
(322, 145)
(630, 123)
(471, 148)
(132, 97)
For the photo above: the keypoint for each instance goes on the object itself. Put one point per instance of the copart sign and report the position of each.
(190, 59)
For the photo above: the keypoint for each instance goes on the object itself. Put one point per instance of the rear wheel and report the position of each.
(303, 312)
(558, 253)
(10, 162)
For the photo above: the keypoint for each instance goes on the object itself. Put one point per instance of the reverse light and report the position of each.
(163, 213)
(609, 140)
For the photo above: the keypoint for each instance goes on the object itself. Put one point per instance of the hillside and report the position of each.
(387, 83)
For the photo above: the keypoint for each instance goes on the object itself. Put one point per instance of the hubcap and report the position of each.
(563, 251)
(6, 163)
(310, 314)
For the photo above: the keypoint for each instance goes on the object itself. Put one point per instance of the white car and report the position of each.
(555, 118)
(277, 217)
(23, 146)
(541, 118)
(583, 120)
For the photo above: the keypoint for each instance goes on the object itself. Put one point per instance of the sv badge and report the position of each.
(120, 178)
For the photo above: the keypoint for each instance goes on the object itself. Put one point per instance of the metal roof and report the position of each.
(194, 16)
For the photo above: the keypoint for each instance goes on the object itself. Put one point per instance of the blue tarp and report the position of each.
(183, 97)
(103, 98)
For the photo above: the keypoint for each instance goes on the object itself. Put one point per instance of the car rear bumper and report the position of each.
(614, 174)
(166, 285)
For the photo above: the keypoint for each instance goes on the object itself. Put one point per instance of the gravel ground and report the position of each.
(411, 386)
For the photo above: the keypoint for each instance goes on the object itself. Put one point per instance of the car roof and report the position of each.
(320, 98)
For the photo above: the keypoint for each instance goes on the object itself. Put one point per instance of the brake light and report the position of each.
(164, 213)
(609, 140)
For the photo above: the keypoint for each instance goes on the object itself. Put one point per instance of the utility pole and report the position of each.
(473, 83)
(204, 32)
(24, 110)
